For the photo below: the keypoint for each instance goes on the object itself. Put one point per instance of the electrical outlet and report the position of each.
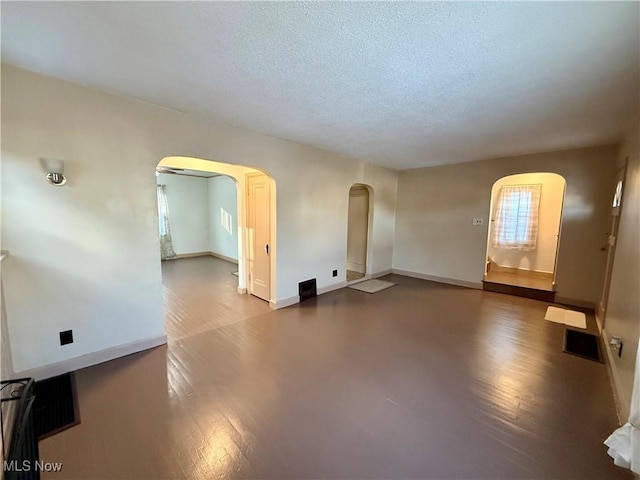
(66, 337)
(335, 273)
(478, 221)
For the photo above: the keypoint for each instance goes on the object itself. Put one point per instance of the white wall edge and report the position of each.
(242, 290)
(614, 379)
(435, 278)
(89, 359)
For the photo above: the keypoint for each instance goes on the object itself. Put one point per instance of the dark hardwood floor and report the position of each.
(419, 381)
(201, 294)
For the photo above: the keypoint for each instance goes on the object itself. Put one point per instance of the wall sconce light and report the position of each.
(55, 170)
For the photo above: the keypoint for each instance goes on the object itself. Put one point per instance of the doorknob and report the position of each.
(266, 248)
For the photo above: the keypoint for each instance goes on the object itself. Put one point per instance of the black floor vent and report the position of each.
(307, 290)
(582, 344)
(56, 405)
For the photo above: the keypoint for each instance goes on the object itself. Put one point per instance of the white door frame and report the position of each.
(610, 246)
(239, 174)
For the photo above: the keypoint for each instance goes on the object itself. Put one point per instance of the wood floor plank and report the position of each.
(420, 381)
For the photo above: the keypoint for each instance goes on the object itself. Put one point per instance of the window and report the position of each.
(516, 220)
(166, 245)
(617, 197)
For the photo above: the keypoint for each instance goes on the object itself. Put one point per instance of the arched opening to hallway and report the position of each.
(217, 238)
(358, 231)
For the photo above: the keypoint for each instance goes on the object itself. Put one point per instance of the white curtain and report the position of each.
(166, 245)
(624, 443)
(516, 220)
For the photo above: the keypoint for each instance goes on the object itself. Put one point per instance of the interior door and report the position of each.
(258, 216)
(610, 245)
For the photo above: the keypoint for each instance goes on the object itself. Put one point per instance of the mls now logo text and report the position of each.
(29, 466)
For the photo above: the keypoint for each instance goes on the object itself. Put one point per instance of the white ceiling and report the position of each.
(400, 84)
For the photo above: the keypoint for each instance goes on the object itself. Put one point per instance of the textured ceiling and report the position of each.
(400, 84)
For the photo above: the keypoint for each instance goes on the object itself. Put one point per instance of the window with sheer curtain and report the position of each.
(515, 224)
(166, 244)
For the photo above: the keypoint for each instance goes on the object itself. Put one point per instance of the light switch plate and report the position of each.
(478, 221)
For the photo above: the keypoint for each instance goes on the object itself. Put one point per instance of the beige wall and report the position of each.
(623, 310)
(86, 256)
(435, 207)
(543, 258)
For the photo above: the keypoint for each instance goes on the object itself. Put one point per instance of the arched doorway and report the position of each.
(358, 231)
(524, 231)
(254, 223)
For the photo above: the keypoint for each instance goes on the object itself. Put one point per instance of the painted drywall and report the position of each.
(435, 208)
(6, 361)
(543, 258)
(86, 256)
(222, 196)
(623, 309)
(188, 201)
(358, 229)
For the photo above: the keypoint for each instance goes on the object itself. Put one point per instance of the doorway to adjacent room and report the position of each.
(217, 238)
(358, 231)
(524, 232)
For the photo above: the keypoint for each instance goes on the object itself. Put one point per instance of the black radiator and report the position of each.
(19, 442)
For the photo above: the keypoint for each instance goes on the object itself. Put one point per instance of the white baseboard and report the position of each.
(287, 302)
(223, 257)
(207, 254)
(574, 302)
(382, 273)
(621, 406)
(516, 270)
(242, 290)
(435, 278)
(89, 359)
(332, 287)
(191, 255)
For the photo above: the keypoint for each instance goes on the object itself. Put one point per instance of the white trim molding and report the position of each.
(435, 278)
(575, 302)
(382, 273)
(618, 395)
(332, 287)
(287, 302)
(207, 254)
(89, 359)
